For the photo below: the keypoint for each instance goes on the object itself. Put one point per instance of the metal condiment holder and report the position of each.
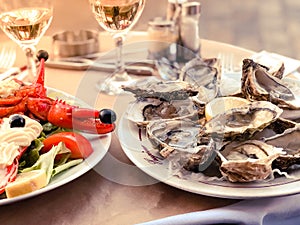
(190, 30)
(75, 43)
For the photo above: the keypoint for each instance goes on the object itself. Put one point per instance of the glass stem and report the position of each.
(121, 74)
(120, 61)
(31, 64)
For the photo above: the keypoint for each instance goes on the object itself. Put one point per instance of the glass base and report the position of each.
(113, 85)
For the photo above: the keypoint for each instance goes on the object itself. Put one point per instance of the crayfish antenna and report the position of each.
(42, 57)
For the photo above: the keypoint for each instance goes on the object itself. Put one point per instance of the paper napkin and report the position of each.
(265, 211)
(273, 61)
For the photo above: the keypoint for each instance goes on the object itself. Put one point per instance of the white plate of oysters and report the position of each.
(251, 151)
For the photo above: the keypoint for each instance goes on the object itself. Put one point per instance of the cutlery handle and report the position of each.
(68, 65)
(132, 69)
(84, 65)
(10, 72)
(140, 70)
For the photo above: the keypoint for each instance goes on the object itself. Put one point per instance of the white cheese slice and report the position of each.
(26, 182)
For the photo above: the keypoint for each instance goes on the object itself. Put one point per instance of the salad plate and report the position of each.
(100, 146)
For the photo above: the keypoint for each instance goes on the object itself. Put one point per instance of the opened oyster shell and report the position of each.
(289, 141)
(164, 90)
(167, 109)
(248, 161)
(135, 110)
(202, 76)
(279, 126)
(142, 111)
(272, 64)
(170, 135)
(257, 84)
(243, 121)
(293, 115)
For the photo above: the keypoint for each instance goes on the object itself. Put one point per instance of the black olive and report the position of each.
(17, 121)
(42, 54)
(107, 116)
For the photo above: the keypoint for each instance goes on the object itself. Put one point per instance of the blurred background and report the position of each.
(272, 25)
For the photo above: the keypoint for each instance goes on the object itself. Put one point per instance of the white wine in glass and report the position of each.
(117, 17)
(25, 22)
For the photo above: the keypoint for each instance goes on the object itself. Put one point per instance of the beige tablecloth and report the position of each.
(95, 199)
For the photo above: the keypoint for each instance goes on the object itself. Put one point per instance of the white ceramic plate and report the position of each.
(140, 151)
(100, 146)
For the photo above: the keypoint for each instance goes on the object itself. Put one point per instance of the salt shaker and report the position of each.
(174, 9)
(189, 29)
(162, 35)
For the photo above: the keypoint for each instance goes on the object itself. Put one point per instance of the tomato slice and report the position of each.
(79, 146)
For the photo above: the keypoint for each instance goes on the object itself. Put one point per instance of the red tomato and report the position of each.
(79, 146)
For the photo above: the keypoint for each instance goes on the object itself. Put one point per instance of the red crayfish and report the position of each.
(32, 100)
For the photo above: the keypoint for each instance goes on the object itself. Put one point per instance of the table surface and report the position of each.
(94, 198)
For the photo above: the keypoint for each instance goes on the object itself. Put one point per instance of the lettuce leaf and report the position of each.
(49, 129)
(31, 155)
(65, 166)
(46, 161)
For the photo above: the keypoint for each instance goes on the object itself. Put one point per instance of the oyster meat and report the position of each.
(142, 111)
(135, 110)
(248, 161)
(164, 90)
(244, 121)
(257, 84)
(170, 135)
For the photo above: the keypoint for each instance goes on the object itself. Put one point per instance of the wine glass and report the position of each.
(117, 17)
(25, 22)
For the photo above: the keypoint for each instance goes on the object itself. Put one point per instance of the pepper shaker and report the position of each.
(189, 29)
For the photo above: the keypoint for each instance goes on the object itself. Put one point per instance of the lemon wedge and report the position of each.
(222, 104)
(26, 182)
